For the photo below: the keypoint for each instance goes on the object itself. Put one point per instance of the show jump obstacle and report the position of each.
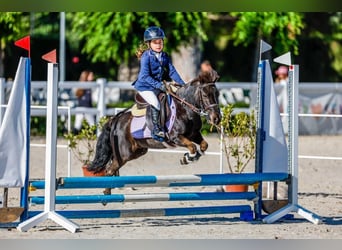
(265, 170)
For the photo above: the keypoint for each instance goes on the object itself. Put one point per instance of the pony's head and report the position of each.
(208, 95)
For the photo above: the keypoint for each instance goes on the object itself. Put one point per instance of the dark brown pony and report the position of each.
(197, 98)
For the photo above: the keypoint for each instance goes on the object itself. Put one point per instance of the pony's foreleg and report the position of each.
(193, 154)
(203, 146)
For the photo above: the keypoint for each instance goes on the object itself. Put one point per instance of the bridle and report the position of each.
(202, 111)
(210, 106)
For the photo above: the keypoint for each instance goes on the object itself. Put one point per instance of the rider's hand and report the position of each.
(168, 86)
(162, 88)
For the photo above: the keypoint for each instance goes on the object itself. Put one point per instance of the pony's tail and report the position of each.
(103, 150)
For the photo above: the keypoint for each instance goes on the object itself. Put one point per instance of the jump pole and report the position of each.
(293, 206)
(161, 181)
(50, 160)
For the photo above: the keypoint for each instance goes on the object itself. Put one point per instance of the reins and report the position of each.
(199, 111)
(182, 101)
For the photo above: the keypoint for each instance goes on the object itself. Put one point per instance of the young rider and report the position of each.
(155, 66)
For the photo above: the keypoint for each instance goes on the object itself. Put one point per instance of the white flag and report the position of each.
(274, 146)
(284, 59)
(13, 131)
(264, 47)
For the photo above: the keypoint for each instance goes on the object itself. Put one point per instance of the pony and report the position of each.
(118, 144)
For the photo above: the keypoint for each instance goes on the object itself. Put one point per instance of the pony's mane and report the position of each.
(206, 77)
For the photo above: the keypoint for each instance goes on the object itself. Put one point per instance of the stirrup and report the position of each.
(157, 131)
(158, 134)
(158, 138)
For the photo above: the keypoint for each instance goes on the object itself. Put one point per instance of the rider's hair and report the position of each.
(142, 48)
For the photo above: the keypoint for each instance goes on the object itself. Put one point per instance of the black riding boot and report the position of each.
(157, 133)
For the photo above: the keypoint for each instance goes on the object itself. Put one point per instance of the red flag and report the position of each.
(50, 56)
(24, 43)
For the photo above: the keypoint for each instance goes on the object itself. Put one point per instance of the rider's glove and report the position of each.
(162, 88)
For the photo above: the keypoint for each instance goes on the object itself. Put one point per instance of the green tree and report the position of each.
(281, 29)
(115, 36)
(321, 46)
(311, 37)
(13, 25)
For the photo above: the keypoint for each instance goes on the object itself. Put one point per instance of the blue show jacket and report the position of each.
(152, 70)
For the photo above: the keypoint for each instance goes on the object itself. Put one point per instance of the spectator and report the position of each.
(84, 100)
(282, 79)
(281, 75)
(206, 66)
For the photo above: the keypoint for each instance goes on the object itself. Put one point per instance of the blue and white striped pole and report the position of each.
(162, 181)
(104, 199)
(244, 210)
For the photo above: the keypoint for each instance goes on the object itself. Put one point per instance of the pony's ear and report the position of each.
(214, 76)
(206, 76)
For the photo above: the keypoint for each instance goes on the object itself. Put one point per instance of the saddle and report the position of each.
(141, 124)
(140, 107)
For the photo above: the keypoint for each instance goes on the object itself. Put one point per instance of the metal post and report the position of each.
(62, 47)
(221, 150)
(2, 97)
(101, 104)
(260, 136)
(69, 149)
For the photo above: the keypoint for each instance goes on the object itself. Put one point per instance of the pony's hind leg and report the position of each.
(111, 170)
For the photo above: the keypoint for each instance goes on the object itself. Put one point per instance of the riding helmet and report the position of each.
(152, 33)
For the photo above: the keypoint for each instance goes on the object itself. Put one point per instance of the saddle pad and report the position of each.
(139, 129)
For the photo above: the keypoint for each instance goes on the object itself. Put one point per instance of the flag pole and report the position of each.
(260, 135)
(50, 162)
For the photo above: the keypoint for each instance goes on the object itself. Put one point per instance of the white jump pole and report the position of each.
(50, 161)
(293, 151)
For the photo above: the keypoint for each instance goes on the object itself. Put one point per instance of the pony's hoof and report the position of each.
(184, 161)
(198, 155)
(188, 159)
(200, 152)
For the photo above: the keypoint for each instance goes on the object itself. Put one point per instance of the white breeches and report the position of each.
(151, 98)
